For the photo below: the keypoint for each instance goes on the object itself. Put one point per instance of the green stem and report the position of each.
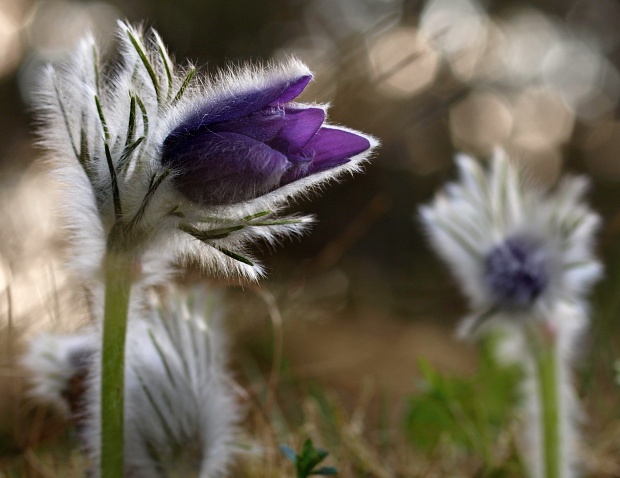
(118, 279)
(545, 357)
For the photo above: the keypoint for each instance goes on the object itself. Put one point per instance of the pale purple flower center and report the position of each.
(516, 272)
(247, 145)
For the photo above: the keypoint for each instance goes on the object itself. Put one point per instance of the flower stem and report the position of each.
(546, 361)
(118, 279)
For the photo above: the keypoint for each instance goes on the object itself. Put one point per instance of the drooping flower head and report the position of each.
(517, 251)
(158, 162)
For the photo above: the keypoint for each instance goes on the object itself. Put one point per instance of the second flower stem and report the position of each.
(118, 280)
(544, 351)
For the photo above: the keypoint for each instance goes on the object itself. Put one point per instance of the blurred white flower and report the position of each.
(524, 259)
(180, 409)
(56, 366)
(517, 252)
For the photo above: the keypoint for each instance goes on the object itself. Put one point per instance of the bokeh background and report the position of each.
(362, 296)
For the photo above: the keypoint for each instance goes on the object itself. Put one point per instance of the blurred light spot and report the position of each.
(604, 98)
(541, 119)
(40, 290)
(542, 165)
(480, 122)
(54, 30)
(5, 275)
(403, 62)
(454, 26)
(57, 25)
(17, 9)
(481, 60)
(602, 148)
(341, 18)
(11, 23)
(26, 202)
(574, 71)
(529, 36)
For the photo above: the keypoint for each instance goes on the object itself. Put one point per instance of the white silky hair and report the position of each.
(181, 413)
(139, 102)
(51, 361)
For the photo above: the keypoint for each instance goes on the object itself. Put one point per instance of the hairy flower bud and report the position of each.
(246, 145)
(167, 167)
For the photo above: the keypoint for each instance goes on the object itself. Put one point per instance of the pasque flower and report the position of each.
(161, 168)
(517, 252)
(171, 167)
(524, 258)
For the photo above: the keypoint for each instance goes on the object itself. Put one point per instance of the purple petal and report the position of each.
(287, 130)
(225, 168)
(327, 149)
(331, 147)
(262, 126)
(300, 126)
(241, 105)
(292, 90)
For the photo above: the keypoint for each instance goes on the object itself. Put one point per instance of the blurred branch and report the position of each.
(331, 254)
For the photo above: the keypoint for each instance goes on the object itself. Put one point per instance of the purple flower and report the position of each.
(517, 272)
(246, 145)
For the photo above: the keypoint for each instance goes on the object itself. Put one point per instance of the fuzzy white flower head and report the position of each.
(54, 363)
(168, 167)
(517, 252)
(180, 409)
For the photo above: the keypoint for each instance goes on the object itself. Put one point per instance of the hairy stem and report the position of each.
(544, 351)
(118, 279)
